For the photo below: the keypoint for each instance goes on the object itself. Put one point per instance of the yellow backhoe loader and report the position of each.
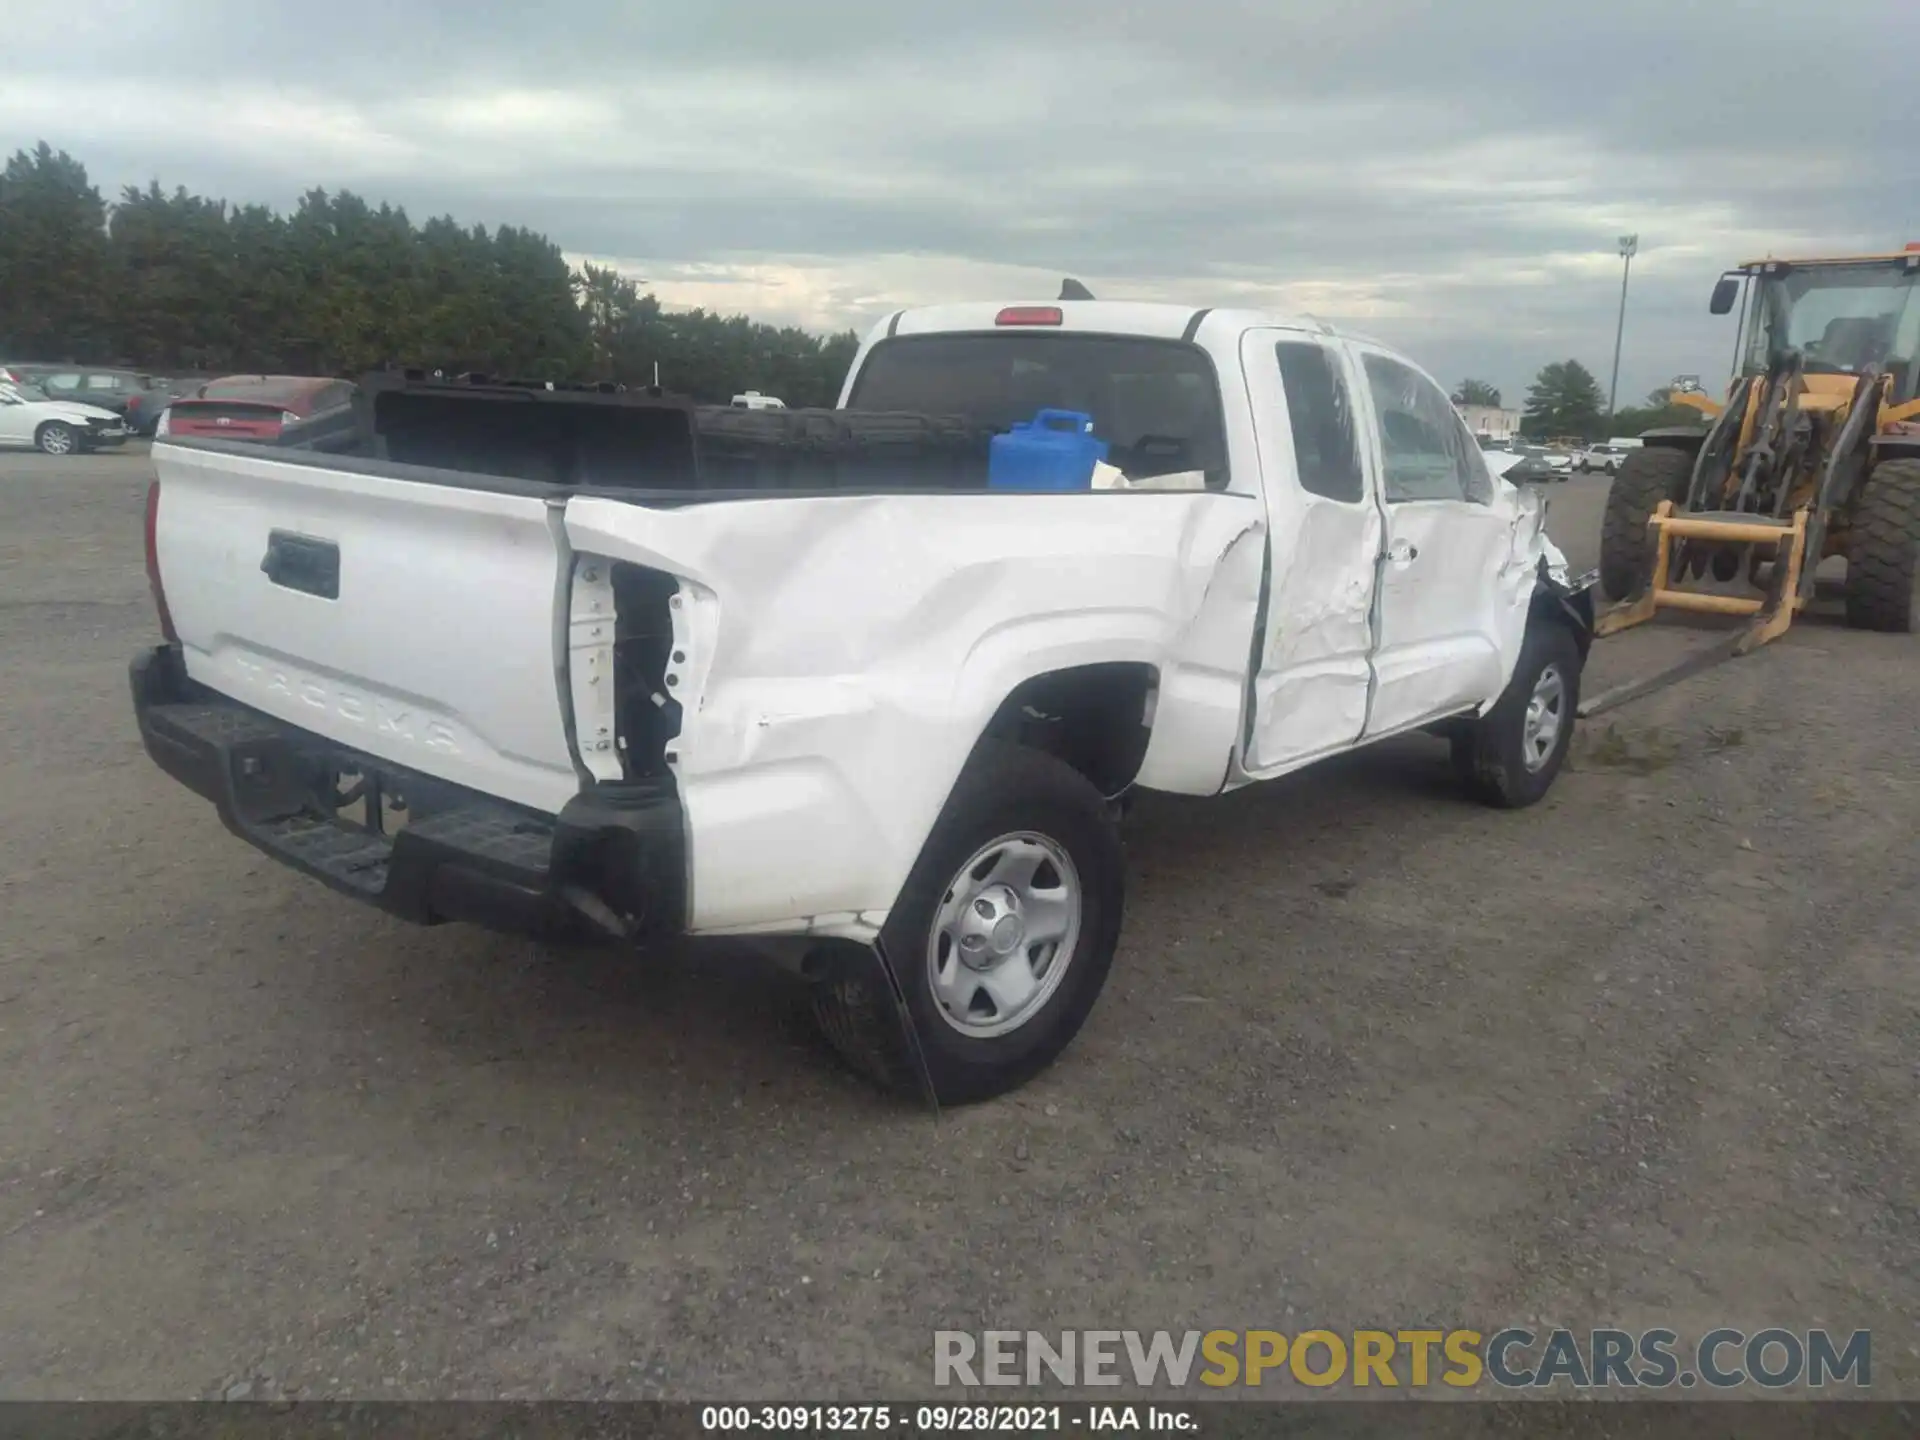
(1814, 453)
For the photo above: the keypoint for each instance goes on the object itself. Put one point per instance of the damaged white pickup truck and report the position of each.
(869, 682)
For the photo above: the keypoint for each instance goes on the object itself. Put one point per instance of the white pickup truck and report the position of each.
(525, 657)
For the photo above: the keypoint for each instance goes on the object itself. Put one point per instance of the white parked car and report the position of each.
(878, 712)
(58, 427)
(1605, 459)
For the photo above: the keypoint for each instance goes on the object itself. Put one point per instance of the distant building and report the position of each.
(1489, 423)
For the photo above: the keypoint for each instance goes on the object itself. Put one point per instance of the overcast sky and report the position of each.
(1448, 177)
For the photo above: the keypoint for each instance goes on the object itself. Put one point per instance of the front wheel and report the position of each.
(1509, 757)
(1883, 553)
(54, 438)
(1626, 545)
(1004, 933)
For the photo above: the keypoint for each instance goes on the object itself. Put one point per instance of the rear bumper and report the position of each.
(460, 855)
(181, 429)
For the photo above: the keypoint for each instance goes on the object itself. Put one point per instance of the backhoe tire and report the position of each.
(1647, 476)
(1883, 556)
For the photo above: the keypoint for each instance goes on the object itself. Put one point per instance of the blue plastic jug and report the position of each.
(1056, 450)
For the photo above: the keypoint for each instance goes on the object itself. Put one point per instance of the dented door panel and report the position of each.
(1314, 671)
(1441, 613)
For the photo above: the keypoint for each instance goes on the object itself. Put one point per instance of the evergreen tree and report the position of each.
(1564, 399)
(54, 265)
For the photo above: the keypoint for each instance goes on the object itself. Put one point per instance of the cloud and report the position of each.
(1450, 177)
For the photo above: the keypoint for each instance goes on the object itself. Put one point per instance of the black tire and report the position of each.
(57, 438)
(1884, 550)
(1643, 480)
(1491, 755)
(1006, 789)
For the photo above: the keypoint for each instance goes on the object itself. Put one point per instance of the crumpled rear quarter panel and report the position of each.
(843, 655)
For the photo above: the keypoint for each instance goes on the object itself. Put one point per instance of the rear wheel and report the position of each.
(1883, 554)
(1003, 934)
(1647, 477)
(54, 438)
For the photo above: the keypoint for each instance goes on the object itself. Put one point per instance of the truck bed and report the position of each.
(608, 438)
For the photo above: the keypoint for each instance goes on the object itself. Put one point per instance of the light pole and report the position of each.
(1628, 244)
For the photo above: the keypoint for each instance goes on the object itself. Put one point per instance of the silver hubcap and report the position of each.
(56, 441)
(1004, 935)
(1546, 713)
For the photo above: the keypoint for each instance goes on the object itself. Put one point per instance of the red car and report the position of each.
(252, 407)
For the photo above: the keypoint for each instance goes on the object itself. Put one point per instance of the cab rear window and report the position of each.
(1155, 402)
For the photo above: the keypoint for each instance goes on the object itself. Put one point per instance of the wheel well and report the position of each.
(1092, 717)
(1894, 447)
(1572, 612)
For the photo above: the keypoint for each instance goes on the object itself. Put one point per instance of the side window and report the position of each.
(1423, 442)
(1475, 479)
(103, 382)
(67, 381)
(1322, 417)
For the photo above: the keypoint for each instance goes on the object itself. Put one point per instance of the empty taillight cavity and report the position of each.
(153, 564)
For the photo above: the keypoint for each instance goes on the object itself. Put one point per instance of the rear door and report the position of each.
(105, 390)
(1314, 673)
(412, 621)
(63, 385)
(1442, 612)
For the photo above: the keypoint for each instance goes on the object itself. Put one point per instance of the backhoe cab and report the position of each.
(1815, 453)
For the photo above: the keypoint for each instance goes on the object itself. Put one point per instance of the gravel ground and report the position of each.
(1643, 1055)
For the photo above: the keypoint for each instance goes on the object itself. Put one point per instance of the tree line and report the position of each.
(1565, 401)
(175, 282)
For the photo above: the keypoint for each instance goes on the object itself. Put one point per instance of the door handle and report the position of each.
(300, 562)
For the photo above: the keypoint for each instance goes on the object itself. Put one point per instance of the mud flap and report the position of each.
(913, 1053)
(869, 1022)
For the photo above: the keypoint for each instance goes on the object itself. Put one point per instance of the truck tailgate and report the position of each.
(409, 620)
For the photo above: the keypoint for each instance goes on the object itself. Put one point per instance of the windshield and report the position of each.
(32, 394)
(1841, 317)
(1155, 402)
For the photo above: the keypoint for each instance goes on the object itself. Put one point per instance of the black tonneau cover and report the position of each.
(610, 437)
